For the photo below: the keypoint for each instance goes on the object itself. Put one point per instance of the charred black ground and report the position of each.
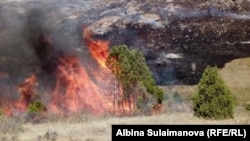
(198, 45)
(178, 38)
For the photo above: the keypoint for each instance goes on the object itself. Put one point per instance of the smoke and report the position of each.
(37, 42)
(31, 40)
(41, 37)
(14, 47)
(31, 37)
(35, 33)
(238, 16)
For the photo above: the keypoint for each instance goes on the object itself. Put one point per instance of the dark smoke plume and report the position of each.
(31, 43)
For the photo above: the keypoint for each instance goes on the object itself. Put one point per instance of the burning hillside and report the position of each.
(45, 54)
(75, 90)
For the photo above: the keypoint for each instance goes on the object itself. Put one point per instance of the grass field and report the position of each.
(88, 128)
(177, 110)
(236, 74)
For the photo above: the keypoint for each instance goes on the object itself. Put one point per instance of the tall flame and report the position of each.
(75, 91)
(98, 48)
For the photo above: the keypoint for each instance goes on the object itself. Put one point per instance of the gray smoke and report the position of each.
(33, 34)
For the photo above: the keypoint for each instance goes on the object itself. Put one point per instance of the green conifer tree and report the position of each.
(130, 69)
(213, 99)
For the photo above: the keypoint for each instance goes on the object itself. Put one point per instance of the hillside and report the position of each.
(86, 127)
(55, 51)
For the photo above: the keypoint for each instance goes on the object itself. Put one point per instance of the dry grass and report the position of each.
(236, 74)
(89, 128)
(99, 128)
(9, 128)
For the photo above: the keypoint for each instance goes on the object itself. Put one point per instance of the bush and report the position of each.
(36, 107)
(213, 99)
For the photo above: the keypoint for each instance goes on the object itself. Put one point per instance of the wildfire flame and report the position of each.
(98, 48)
(6, 107)
(75, 91)
(27, 93)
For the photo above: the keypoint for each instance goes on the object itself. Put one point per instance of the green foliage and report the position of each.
(36, 107)
(130, 68)
(213, 99)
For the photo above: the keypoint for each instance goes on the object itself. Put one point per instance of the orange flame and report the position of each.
(99, 51)
(6, 107)
(98, 48)
(27, 93)
(75, 91)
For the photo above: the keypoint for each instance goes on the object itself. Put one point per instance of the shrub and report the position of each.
(213, 99)
(36, 107)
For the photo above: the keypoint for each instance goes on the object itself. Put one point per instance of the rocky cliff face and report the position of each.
(179, 38)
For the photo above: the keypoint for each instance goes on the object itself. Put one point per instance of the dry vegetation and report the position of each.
(178, 110)
(237, 76)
